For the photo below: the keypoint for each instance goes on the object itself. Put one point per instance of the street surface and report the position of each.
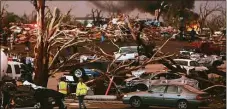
(106, 105)
(114, 106)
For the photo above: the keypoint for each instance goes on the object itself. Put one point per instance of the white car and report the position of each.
(13, 70)
(189, 64)
(195, 56)
(127, 53)
(186, 52)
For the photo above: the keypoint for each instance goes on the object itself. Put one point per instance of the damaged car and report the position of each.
(217, 92)
(145, 80)
(189, 64)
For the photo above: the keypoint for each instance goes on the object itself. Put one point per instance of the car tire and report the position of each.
(136, 102)
(1, 100)
(182, 104)
(37, 106)
(80, 74)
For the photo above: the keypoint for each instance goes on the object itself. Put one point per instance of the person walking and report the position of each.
(192, 34)
(81, 91)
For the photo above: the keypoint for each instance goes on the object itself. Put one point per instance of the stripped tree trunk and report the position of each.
(40, 50)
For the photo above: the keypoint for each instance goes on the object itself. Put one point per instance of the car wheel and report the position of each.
(37, 106)
(136, 102)
(1, 100)
(182, 104)
(79, 73)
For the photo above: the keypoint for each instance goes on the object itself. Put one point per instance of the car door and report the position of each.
(155, 96)
(172, 95)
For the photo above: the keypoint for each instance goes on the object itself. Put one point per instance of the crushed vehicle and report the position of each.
(217, 92)
(189, 64)
(196, 56)
(128, 53)
(145, 80)
(181, 96)
(185, 54)
(30, 95)
(210, 60)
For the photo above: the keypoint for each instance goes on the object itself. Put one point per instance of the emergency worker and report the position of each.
(63, 86)
(81, 92)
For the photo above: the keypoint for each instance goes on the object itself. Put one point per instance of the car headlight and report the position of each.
(125, 95)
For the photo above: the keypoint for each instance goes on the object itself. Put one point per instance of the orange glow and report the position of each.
(194, 25)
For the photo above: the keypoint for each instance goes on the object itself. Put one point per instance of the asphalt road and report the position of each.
(106, 106)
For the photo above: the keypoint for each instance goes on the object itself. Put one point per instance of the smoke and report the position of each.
(144, 6)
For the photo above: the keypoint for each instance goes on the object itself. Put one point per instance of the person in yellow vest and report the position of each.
(81, 92)
(63, 86)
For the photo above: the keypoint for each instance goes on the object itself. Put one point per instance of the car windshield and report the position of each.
(145, 76)
(194, 63)
(128, 50)
(185, 53)
(184, 63)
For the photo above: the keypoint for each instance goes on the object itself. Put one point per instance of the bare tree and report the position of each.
(205, 11)
(216, 22)
(111, 8)
(96, 15)
(2, 13)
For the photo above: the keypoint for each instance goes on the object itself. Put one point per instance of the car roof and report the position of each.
(172, 83)
(14, 62)
(182, 60)
(129, 47)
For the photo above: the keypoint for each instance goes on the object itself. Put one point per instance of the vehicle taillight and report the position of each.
(198, 97)
(166, 69)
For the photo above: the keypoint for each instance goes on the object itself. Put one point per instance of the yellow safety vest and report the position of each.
(81, 89)
(62, 87)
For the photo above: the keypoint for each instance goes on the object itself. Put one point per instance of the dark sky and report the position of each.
(79, 8)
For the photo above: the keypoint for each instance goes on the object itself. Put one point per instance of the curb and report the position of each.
(68, 101)
(96, 97)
